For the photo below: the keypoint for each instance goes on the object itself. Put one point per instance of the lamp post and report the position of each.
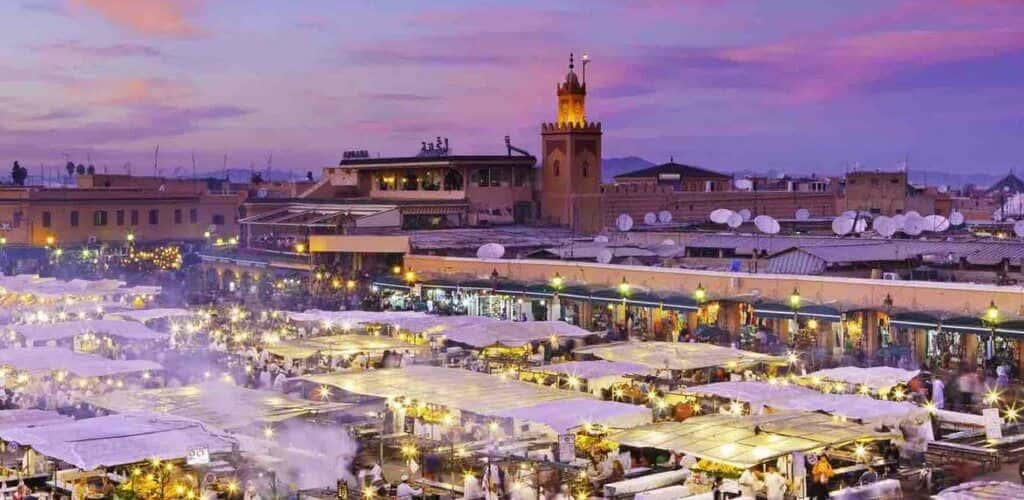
(992, 320)
(794, 304)
(700, 294)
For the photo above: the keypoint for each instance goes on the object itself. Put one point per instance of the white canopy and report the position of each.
(130, 330)
(53, 288)
(982, 490)
(144, 315)
(595, 369)
(564, 415)
(875, 377)
(339, 345)
(46, 359)
(791, 397)
(30, 418)
(118, 439)
(220, 404)
(512, 333)
(746, 441)
(354, 316)
(676, 355)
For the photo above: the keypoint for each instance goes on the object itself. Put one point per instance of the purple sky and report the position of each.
(798, 85)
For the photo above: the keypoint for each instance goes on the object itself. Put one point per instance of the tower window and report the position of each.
(557, 167)
(586, 169)
(74, 218)
(99, 218)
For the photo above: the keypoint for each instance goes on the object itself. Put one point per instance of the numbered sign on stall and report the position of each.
(198, 456)
(566, 447)
(342, 489)
(993, 424)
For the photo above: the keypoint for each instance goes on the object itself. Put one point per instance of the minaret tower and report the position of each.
(571, 160)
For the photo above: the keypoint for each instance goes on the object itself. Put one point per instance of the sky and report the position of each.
(785, 85)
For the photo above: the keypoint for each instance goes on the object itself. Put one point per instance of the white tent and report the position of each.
(128, 330)
(51, 288)
(339, 345)
(512, 333)
(35, 360)
(220, 404)
(119, 439)
(564, 415)
(599, 374)
(144, 315)
(676, 355)
(352, 317)
(791, 397)
(875, 377)
(982, 490)
(30, 418)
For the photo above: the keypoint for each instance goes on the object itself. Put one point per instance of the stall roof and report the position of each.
(676, 355)
(982, 490)
(567, 414)
(47, 359)
(875, 377)
(513, 333)
(749, 440)
(595, 369)
(30, 418)
(130, 330)
(119, 439)
(338, 345)
(454, 388)
(220, 404)
(354, 317)
(52, 287)
(792, 397)
(144, 315)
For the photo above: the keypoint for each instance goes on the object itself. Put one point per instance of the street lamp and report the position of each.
(794, 299)
(623, 288)
(410, 276)
(557, 282)
(700, 294)
(992, 318)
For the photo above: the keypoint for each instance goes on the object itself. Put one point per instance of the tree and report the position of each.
(309, 175)
(70, 168)
(18, 174)
(91, 170)
(80, 169)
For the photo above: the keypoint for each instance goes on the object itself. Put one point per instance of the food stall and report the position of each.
(721, 447)
(29, 367)
(883, 382)
(596, 377)
(105, 336)
(331, 352)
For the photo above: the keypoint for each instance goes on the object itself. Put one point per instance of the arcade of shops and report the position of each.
(831, 331)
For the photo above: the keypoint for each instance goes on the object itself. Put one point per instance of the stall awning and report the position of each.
(122, 329)
(339, 345)
(676, 355)
(35, 360)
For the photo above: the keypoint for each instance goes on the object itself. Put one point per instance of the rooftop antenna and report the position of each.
(156, 160)
(225, 166)
(270, 161)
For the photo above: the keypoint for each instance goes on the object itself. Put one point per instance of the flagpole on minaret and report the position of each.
(586, 59)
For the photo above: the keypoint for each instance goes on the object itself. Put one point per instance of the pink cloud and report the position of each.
(129, 91)
(165, 18)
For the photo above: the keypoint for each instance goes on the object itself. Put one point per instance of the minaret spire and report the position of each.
(571, 65)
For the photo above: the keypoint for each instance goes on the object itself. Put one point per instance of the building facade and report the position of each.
(878, 192)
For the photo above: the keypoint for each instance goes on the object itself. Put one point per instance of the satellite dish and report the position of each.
(898, 221)
(743, 184)
(490, 251)
(735, 220)
(860, 225)
(943, 188)
(668, 242)
(720, 216)
(650, 218)
(842, 225)
(600, 239)
(803, 214)
(850, 214)
(956, 218)
(936, 223)
(745, 214)
(914, 226)
(624, 222)
(766, 224)
(913, 213)
(604, 256)
(664, 216)
(1018, 229)
(885, 226)
(879, 221)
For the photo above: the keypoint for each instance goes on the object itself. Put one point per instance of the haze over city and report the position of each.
(799, 86)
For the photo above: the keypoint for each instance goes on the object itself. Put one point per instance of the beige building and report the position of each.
(877, 192)
(71, 216)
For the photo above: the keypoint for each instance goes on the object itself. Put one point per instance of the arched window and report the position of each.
(557, 167)
(586, 168)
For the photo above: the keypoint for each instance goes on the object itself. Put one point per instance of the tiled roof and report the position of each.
(672, 168)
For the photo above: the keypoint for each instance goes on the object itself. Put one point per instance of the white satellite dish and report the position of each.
(650, 218)
(490, 251)
(720, 216)
(879, 222)
(1018, 229)
(735, 220)
(850, 214)
(743, 184)
(898, 221)
(624, 222)
(885, 226)
(600, 239)
(936, 223)
(914, 226)
(766, 224)
(745, 213)
(664, 216)
(860, 225)
(943, 188)
(956, 218)
(842, 225)
(604, 256)
(913, 213)
(803, 214)
(668, 242)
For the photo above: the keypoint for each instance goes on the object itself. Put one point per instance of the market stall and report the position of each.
(876, 380)
(340, 351)
(218, 404)
(105, 335)
(724, 446)
(147, 315)
(595, 377)
(980, 490)
(66, 364)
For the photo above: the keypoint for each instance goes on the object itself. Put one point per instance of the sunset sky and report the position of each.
(798, 85)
